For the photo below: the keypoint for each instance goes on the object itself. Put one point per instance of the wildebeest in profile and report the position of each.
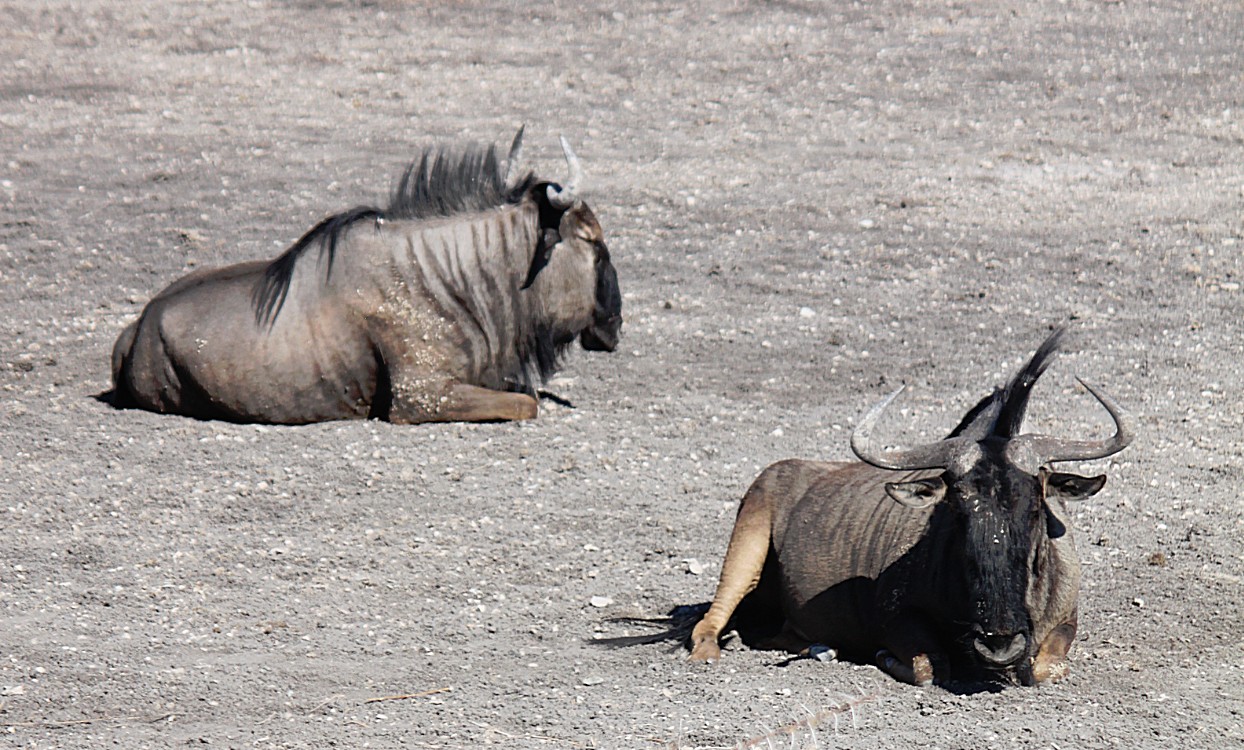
(950, 560)
(453, 303)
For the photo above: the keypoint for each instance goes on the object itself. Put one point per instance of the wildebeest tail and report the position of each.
(675, 626)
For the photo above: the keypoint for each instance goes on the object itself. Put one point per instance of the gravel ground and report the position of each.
(807, 204)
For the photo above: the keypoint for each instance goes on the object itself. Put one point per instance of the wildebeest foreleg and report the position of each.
(470, 403)
(1050, 663)
(745, 559)
(911, 654)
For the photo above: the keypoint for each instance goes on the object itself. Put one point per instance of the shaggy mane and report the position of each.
(442, 182)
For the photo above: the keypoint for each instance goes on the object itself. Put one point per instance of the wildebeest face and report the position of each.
(1002, 524)
(1002, 516)
(1000, 578)
(592, 309)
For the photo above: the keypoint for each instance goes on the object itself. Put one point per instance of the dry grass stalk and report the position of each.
(809, 723)
(407, 696)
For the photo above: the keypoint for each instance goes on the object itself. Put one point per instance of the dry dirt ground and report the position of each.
(807, 204)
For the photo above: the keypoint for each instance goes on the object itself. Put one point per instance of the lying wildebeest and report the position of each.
(452, 303)
(952, 559)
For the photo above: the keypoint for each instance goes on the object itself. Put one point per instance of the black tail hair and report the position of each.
(676, 626)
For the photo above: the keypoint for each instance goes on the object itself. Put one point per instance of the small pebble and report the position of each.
(600, 601)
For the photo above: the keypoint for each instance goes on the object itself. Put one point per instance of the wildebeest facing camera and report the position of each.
(940, 561)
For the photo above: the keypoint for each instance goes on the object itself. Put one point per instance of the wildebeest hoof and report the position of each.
(922, 670)
(706, 652)
(820, 652)
(1045, 671)
(918, 673)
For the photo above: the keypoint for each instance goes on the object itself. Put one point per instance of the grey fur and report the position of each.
(419, 312)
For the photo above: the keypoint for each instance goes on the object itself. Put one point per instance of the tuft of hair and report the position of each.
(1001, 414)
(441, 182)
(445, 182)
(268, 296)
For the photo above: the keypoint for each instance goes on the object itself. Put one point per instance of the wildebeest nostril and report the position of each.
(1000, 649)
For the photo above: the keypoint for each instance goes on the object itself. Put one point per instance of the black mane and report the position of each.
(1001, 413)
(441, 182)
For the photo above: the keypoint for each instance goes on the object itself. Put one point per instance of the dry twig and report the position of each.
(433, 691)
(57, 724)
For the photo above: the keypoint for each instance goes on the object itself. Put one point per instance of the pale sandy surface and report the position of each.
(807, 204)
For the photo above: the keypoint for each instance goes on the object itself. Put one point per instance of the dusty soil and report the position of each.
(807, 204)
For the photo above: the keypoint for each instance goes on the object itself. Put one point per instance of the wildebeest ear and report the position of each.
(544, 250)
(918, 494)
(1072, 486)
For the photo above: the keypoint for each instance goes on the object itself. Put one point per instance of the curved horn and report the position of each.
(516, 154)
(566, 196)
(1052, 449)
(931, 456)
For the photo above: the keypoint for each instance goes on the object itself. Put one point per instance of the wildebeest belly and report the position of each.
(846, 554)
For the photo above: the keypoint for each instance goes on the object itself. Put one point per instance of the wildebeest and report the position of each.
(453, 303)
(941, 561)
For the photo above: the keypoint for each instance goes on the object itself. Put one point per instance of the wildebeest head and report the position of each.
(571, 269)
(999, 503)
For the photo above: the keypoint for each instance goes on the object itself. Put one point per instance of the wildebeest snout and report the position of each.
(1000, 649)
(602, 335)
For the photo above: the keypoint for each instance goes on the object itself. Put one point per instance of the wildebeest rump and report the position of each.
(947, 560)
(453, 303)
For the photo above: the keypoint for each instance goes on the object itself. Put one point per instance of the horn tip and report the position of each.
(1123, 422)
(861, 436)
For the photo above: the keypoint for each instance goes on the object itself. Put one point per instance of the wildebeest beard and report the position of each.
(544, 349)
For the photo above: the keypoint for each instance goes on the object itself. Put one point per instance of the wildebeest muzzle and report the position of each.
(999, 650)
(602, 335)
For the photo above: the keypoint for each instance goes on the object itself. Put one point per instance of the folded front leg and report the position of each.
(912, 654)
(459, 402)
